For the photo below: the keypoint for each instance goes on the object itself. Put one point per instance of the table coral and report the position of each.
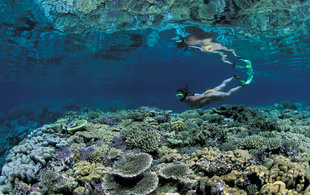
(128, 176)
(132, 165)
(175, 171)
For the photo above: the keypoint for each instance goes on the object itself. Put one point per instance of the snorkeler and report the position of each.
(205, 42)
(209, 96)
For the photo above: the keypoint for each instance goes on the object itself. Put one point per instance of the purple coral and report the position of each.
(86, 151)
(112, 121)
(118, 142)
(108, 162)
(64, 153)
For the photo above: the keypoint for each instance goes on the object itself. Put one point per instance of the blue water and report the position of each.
(148, 77)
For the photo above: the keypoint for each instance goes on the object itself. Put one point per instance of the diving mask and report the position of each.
(179, 96)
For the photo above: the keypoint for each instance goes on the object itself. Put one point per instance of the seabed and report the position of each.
(229, 149)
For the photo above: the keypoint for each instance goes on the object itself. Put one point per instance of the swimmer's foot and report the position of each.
(242, 84)
(236, 77)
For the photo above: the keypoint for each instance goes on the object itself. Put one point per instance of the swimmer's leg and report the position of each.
(223, 85)
(225, 95)
(224, 56)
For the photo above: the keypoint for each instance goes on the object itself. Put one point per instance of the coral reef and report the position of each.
(223, 150)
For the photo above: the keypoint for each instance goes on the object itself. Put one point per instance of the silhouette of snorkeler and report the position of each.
(209, 96)
(205, 42)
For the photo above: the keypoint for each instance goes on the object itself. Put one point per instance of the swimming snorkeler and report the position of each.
(205, 42)
(209, 96)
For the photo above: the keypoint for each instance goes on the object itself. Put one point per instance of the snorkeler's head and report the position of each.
(181, 43)
(182, 93)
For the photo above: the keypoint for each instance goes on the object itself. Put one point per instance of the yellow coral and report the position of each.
(276, 188)
(86, 171)
(290, 173)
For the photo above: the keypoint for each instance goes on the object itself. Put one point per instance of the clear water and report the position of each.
(48, 72)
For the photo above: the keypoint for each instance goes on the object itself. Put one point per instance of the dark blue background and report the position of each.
(149, 77)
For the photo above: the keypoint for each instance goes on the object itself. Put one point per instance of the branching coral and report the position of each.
(143, 137)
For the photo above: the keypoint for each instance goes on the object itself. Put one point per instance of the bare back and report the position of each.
(198, 101)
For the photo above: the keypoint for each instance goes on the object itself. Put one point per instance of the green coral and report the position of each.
(175, 171)
(143, 137)
(52, 184)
